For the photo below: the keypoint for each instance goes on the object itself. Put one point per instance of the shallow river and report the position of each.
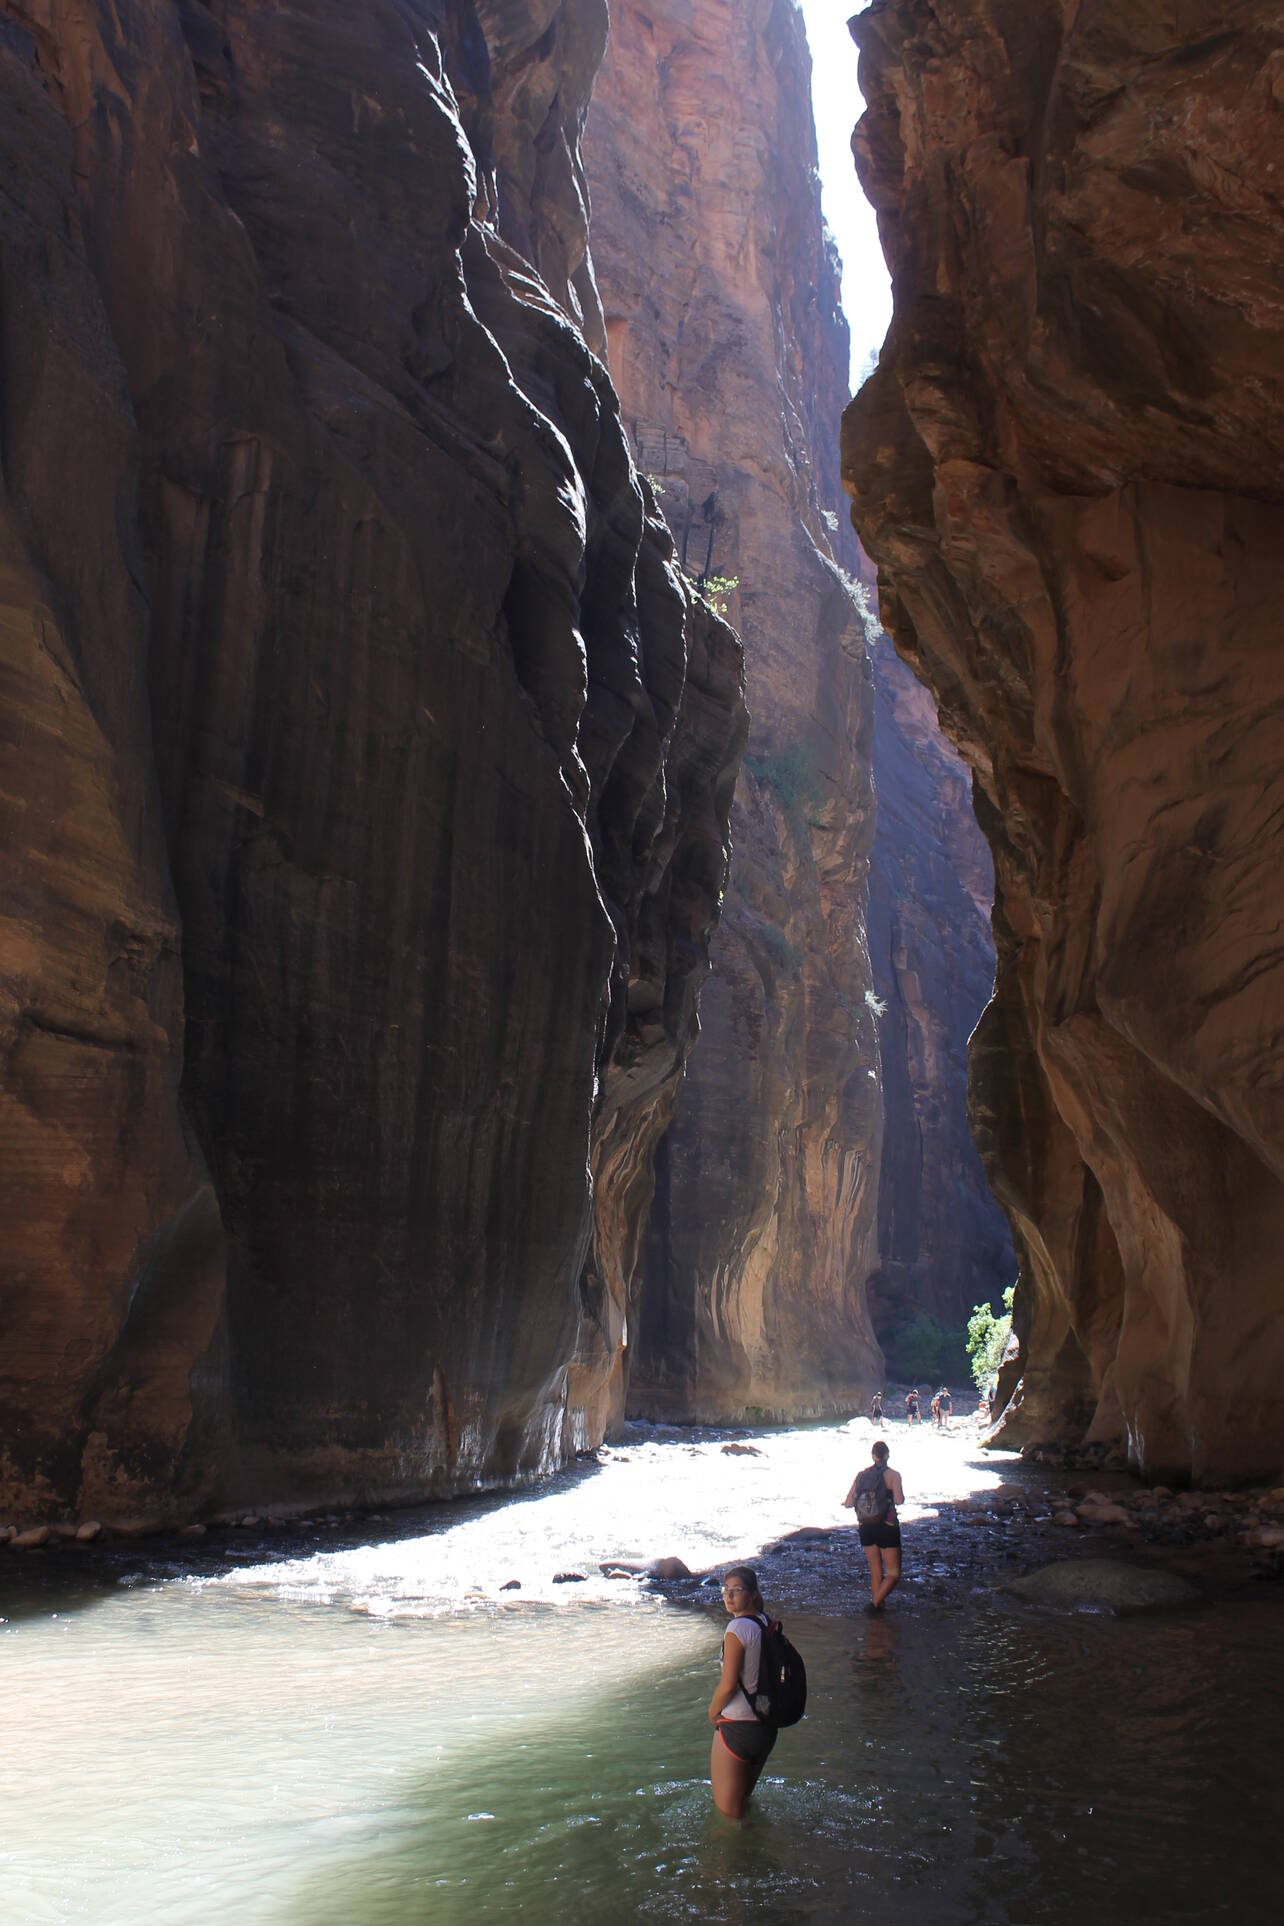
(321, 1730)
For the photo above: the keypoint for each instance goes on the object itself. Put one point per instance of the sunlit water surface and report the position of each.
(374, 1733)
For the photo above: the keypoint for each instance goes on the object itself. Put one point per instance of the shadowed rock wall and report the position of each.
(943, 1241)
(1069, 468)
(720, 294)
(343, 658)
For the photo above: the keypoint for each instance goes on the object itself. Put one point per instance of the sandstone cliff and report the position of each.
(943, 1243)
(1069, 468)
(366, 763)
(726, 343)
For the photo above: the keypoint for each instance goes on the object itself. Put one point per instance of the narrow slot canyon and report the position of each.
(587, 892)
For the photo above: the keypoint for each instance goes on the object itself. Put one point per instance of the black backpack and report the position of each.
(873, 1499)
(781, 1694)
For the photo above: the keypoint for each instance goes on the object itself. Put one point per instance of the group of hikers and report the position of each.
(942, 1407)
(763, 1684)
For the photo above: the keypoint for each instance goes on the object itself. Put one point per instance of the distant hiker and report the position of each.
(947, 1405)
(983, 1409)
(912, 1413)
(746, 1710)
(874, 1496)
(936, 1410)
(876, 1409)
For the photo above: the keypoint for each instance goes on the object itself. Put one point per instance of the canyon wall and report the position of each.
(367, 761)
(1069, 468)
(943, 1242)
(726, 343)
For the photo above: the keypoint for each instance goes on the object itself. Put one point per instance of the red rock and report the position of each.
(344, 672)
(1069, 468)
(725, 341)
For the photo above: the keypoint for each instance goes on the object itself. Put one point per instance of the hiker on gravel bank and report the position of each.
(913, 1415)
(876, 1409)
(741, 1742)
(874, 1496)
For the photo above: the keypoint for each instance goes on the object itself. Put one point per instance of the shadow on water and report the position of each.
(1003, 1769)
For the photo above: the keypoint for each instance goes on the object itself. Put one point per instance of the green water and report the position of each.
(277, 1745)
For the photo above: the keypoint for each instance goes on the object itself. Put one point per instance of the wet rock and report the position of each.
(617, 1571)
(86, 1533)
(192, 1531)
(741, 1451)
(31, 1539)
(511, 1585)
(1066, 1518)
(668, 1570)
(1101, 1584)
(569, 1578)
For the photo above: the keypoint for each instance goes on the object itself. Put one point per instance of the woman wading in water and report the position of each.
(741, 1742)
(874, 1495)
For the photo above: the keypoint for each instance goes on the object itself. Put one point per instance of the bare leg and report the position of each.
(733, 1779)
(891, 1575)
(875, 1560)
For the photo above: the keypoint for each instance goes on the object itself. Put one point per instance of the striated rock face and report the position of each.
(1070, 470)
(727, 347)
(342, 653)
(943, 1241)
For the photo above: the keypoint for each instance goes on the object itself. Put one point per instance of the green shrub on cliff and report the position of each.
(987, 1338)
(792, 774)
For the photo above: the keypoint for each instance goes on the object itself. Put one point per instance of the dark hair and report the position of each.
(880, 1451)
(748, 1578)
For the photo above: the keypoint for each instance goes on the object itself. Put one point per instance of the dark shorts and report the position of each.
(886, 1537)
(749, 1739)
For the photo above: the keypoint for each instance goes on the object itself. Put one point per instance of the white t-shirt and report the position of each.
(749, 1632)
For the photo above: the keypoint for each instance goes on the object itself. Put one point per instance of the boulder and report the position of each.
(668, 1570)
(742, 1451)
(1103, 1585)
(86, 1533)
(31, 1539)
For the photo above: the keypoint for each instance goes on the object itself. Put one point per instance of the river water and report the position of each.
(348, 1725)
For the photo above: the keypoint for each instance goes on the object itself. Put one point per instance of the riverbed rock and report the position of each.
(741, 1451)
(31, 1539)
(511, 1585)
(728, 348)
(1067, 1518)
(668, 1571)
(1105, 1585)
(1069, 468)
(1102, 1515)
(87, 1532)
(569, 1578)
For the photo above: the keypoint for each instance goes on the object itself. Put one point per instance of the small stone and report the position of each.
(1265, 1537)
(1102, 1514)
(6, 1533)
(742, 1451)
(86, 1533)
(249, 1519)
(618, 1571)
(32, 1538)
(568, 1578)
(668, 1570)
(1066, 1518)
(511, 1585)
(1161, 1491)
(192, 1531)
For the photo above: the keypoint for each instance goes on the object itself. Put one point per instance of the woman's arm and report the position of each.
(733, 1658)
(897, 1488)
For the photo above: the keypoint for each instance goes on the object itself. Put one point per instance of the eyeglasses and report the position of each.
(735, 1591)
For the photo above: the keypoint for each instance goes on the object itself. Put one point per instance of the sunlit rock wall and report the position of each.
(726, 343)
(1069, 468)
(345, 675)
